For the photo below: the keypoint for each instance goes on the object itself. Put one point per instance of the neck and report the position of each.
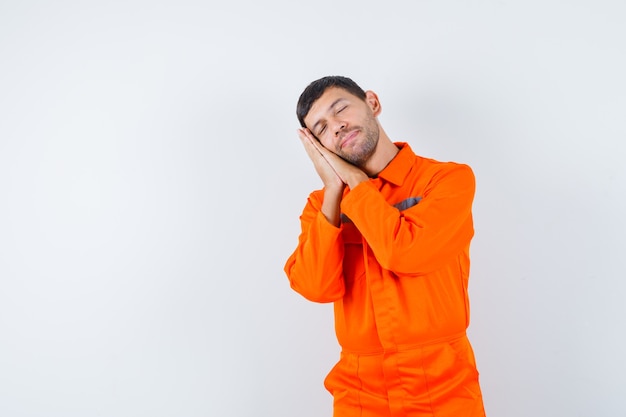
(385, 151)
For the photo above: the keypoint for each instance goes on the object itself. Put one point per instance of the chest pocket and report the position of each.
(353, 262)
(408, 203)
(402, 205)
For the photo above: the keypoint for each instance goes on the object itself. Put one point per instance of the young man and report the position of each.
(387, 241)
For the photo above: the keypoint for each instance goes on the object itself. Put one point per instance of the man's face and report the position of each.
(345, 125)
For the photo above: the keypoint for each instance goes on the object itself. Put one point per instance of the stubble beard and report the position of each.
(361, 153)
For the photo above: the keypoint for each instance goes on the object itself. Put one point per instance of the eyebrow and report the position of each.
(333, 104)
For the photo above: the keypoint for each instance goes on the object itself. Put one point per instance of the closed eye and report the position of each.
(341, 109)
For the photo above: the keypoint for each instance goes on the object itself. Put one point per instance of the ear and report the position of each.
(372, 101)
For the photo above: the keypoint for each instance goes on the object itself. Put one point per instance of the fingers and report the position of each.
(309, 146)
(324, 159)
(307, 137)
(312, 145)
(317, 154)
(305, 134)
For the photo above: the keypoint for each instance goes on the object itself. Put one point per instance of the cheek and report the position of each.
(327, 143)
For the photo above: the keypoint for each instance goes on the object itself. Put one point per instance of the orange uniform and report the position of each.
(397, 271)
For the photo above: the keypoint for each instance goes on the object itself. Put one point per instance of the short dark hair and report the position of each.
(315, 90)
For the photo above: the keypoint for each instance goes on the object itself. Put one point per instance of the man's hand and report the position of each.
(333, 185)
(331, 168)
(329, 177)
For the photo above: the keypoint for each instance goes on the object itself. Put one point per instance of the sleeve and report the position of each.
(424, 237)
(315, 268)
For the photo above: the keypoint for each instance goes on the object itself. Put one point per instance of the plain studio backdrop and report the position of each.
(151, 181)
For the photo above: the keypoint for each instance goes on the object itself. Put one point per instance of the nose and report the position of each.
(338, 126)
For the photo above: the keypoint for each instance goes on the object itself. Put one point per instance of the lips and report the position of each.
(348, 137)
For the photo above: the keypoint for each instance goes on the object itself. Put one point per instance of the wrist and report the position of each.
(335, 187)
(356, 179)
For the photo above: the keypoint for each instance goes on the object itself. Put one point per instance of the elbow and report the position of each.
(407, 262)
(320, 285)
(419, 263)
(319, 294)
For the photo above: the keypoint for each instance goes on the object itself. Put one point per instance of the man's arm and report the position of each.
(424, 237)
(417, 240)
(333, 184)
(315, 269)
(329, 166)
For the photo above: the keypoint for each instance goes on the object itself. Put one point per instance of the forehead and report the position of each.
(325, 103)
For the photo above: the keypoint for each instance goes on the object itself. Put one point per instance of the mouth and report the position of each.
(348, 137)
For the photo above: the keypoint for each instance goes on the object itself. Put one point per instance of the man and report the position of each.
(387, 241)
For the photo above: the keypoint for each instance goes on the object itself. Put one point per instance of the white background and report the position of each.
(151, 181)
